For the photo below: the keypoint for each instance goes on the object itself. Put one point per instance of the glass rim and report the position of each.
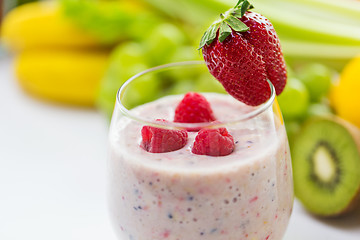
(177, 125)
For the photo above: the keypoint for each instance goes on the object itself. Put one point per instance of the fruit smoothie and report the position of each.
(179, 195)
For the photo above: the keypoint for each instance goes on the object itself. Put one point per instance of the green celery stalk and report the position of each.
(317, 30)
(109, 21)
(196, 15)
(318, 50)
(303, 22)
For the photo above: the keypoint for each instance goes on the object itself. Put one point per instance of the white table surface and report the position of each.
(53, 174)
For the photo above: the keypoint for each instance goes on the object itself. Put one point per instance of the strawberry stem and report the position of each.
(228, 22)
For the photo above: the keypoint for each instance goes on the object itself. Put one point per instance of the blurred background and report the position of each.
(62, 62)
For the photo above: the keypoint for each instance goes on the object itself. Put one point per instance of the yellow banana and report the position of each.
(42, 25)
(67, 76)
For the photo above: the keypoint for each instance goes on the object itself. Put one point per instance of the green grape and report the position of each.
(292, 128)
(317, 79)
(126, 60)
(162, 42)
(294, 100)
(207, 83)
(182, 87)
(192, 74)
(319, 109)
(143, 25)
(127, 55)
(185, 53)
(142, 90)
(290, 71)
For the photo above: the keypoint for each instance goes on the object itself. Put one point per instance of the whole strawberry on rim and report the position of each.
(242, 51)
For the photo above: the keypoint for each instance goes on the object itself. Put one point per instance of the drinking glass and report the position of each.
(179, 195)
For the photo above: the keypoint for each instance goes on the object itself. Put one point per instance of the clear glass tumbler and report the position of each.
(180, 195)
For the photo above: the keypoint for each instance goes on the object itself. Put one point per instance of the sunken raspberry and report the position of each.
(159, 140)
(213, 142)
(194, 108)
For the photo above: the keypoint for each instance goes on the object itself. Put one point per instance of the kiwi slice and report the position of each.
(326, 166)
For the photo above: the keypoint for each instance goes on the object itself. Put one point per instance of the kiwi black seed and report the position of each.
(326, 166)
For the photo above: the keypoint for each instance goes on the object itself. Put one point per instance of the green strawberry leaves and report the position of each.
(243, 5)
(209, 35)
(236, 24)
(225, 31)
(229, 21)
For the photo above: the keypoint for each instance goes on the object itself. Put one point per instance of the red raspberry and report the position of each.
(159, 140)
(213, 142)
(194, 108)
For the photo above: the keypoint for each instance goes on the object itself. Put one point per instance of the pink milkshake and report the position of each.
(180, 195)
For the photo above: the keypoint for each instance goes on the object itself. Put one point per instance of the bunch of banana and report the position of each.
(55, 59)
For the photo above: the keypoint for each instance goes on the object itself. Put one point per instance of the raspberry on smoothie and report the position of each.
(194, 108)
(213, 142)
(158, 140)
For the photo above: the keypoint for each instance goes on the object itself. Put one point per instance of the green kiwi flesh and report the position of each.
(326, 167)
